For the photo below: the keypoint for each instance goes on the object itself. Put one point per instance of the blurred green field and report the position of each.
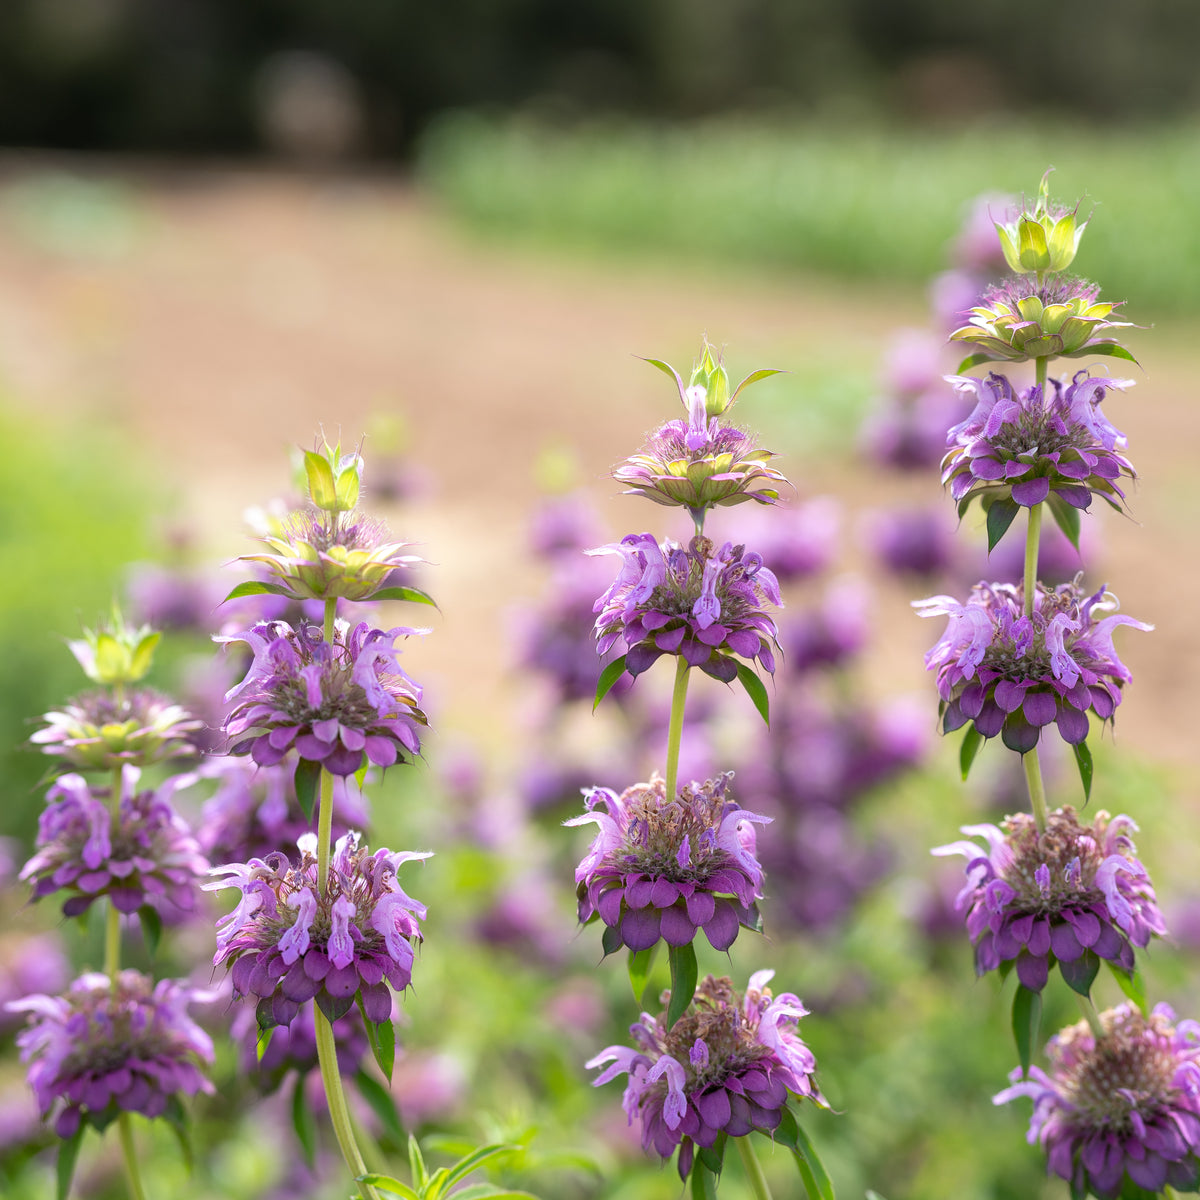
(859, 202)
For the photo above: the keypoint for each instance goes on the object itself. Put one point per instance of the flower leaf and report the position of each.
(152, 927)
(973, 360)
(382, 1037)
(403, 593)
(608, 677)
(666, 369)
(385, 1183)
(304, 1122)
(812, 1171)
(1132, 984)
(713, 1156)
(1067, 518)
(971, 742)
(380, 1101)
(256, 587)
(754, 377)
(640, 963)
(416, 1163)
(684, 973)
(308, 779)
(703, 1181)
(755, 690)
(1026, 1018)
(263, 1041)
(176, 1116)
(610, 940)
(68, 1154)
(1000, 515)
(1107, 350)
(1081, 974)
(476, 1159)
(1083, 760)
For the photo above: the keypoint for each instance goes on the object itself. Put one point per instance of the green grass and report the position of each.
(859, 202)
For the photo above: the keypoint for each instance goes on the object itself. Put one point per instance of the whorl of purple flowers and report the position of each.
(1122, 1109)
(726, 1066)
(111, 1046)
(1056, 896)
(1013, 675)
(1037, 443)
(703, 603)
(289, 942)
(147, 853)
(664, 868)
(333, 703)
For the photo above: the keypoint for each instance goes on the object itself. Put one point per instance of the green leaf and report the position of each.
(873, 1195)
(308, 780)
(666, 369)
(382, 1037)
(472, 1162)
(256, 587)
(322, 489)
(415, 595)
(263, 1041)
(812, 1171)
(176, 1117)
(385, 1183)
(684, 973)
(381, 1104)
(1000, 515)
(68, 1154)
(1026, 1019)
(1083, 760)
(303, 1122)
(489, 1191)
(1105, 350)
(1066, 517)
(713, 1156)
(152, 927)
(973, 360)
(435, 1189)
(1132, 984)
(971, 742)
(1081, 974)
(749, 679)
(416, 1163)
(754, 377)
(703, 1182)
(610, 940)
(608, 677)
(640, 963)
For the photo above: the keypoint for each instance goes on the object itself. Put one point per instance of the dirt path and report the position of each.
(231, 314)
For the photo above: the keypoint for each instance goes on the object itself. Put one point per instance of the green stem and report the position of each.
(132, 1175)
(1037, 789)
(112, 918)
(1033, 537)
(754, 1171)
(325, 802)
(339, 1113)
(675, 728)
(1093, 1017)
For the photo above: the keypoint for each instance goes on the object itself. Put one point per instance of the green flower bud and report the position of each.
(333, 479)
(118, 655)
(1043, 240)
(710, 374)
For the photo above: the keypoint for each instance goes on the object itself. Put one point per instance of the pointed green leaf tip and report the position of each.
(608, 677)
(308, 779)
(1083, 760)
(812, 1171)
(640, 963)
(684, 973)
(1026, 1019)
(1000, 515)
(68, 1154)
(971, 742)
(755, 690)
(1132, 984)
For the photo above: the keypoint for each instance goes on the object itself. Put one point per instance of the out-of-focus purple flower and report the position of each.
(726, 1066)
(101, 731)
(977, 246)
(289, 942)
(662, 868)
(703, 603)
(909, 434)
(524, 919)
(1013, 675)
(564, 525)
(255, 810)
(173, 599)
(911, 541)
(293, 1047)
(1119, 1110)
(29, 962)
(1036, 443)
(427, 1087)
(333, 703)
(952, 295)
(147, 853)
(107, 1046)
(1071, 891)
(795, 540)
(831, 633)
(1058, 561)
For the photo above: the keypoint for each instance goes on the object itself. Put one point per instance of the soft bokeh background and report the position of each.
(225, 226)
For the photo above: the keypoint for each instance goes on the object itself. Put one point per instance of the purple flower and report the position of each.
(1073, 891)
(254, 809)
(1036, 443)
(796, 540)
(911, 541)
(726, 1066)
(660, 868)
(703, 603)
(1120, 1111)
(29, 962)
(1013, 675)
(101, 731)
(111, 1046)
(334, 703)
(289, 942)
(293, 1047)
(147, 853)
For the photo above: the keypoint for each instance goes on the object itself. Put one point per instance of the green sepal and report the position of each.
(610, 940)
(1081, 974)
(304, 1122)
(385, 1183)
(684, 973)
(1026, 1020)
(608, 677)
(1000, 515)
(415, 595)
(416, 1164)
(322, 488)
(1066, 517)
(703, 1182)
(308, 781)
(749, 679)
(152, 927)
(176, 1117)
(379, 1099)
(713, 1157)
(971, 742)
(1132, 984)
(640, 964)
(812, 1171)
(382, 1037)
(68, 1155)
(1083, 760)
(256, 587)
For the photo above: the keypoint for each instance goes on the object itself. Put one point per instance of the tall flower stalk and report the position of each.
(670, 860)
